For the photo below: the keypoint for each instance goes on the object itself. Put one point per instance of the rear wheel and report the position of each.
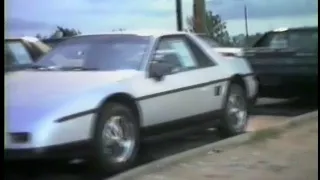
(116, 138)
(235, 114)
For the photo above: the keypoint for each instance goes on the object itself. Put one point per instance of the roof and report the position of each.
(25, 38)
(153, 33)
(54, 39)
(295, 29)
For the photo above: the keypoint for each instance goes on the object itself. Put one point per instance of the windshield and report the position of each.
(110, 52)
(16, 53)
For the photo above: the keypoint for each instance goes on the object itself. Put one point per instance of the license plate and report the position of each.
(270, 81)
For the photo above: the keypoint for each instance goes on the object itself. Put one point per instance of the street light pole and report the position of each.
(246, 22)
(179, 15)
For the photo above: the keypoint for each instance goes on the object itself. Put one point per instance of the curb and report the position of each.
(233, 141)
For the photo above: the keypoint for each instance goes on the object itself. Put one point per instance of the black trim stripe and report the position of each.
(91, 111)
(249, 74)
(76, 115)
(181, 89)
(189, 87)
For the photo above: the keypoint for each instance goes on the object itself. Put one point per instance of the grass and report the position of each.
(269, 133)
(275, 132)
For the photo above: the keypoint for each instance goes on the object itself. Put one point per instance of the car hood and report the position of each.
(33, 94)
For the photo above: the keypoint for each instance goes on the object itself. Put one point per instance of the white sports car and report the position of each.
(97, 96)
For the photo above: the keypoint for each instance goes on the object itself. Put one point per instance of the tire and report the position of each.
(104, 159)
(227, 126)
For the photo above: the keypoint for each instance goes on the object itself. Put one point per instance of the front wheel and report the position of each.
(116, 138)
(235, 114)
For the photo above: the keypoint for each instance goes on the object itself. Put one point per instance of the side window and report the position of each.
(303, 39)
(180, 55)
(279, 40)
(274, 40)
(19, 53)
(8, 57)
(202, 59)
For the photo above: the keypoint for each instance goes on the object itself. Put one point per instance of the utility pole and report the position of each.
(199, 16)
(246, 22)
(179, 15)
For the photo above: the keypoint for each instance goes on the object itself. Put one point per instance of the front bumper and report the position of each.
(70, 150)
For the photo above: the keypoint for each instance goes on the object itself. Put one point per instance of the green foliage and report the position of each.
(216, 28)
(240, 40)
(60, 32)
(265, 134)
(39, 36)
(64, 32)
(253, 38)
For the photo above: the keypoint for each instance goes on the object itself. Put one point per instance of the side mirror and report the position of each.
(162, 65)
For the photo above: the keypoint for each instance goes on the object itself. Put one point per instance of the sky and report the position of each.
(29, 17)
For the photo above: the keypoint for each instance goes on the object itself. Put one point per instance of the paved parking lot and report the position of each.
(292, 155)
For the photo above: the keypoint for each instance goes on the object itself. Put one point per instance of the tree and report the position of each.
(216, 28)
(39, 36)
(240, 40)
(61, 32)
(253, 38)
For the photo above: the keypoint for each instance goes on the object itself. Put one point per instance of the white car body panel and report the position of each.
(182, 104)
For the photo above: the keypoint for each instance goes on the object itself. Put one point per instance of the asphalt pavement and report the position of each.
(266, 113)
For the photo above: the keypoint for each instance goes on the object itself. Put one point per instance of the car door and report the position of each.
(186, 92)
(209, 71)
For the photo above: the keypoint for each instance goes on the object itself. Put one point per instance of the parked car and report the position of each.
(103, 94)
(286, 62)
(21, 52)
(52, 42)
